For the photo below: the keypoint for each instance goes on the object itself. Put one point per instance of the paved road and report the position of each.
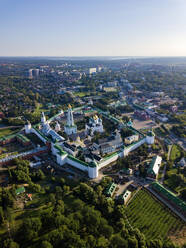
(177, 140)
(123, 187)
(163, 175)
(170, 148)
(165, 167)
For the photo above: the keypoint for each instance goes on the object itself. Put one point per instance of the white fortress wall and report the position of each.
(134, 146)
(38, 135)
(108, 161)
(76, 164)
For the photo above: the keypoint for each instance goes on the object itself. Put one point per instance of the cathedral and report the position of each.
(48, 131)
(94, 125)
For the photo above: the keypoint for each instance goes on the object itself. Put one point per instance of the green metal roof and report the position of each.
(38, 131)
(77, 160)
(150, 168)
(23, 138)
(20, 190)
(93, 164)
(60, 149)
(150, 133)
(11, 136)
(171, 196)
(110, 156)
(110, 189)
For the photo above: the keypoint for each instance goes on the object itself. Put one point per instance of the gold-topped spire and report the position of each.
(69, 106)
(95, 117)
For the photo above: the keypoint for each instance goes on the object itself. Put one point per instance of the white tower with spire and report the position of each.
(43, 118)
(57, 127)
(70, 127)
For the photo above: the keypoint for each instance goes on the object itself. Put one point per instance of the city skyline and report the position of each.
(99, 28)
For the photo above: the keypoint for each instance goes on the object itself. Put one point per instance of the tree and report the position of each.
(35, 187)
(102, 242)
(52, 198)
(119, 212)
(9, 243)
(107, 230)
(1, 215)
(183, 194)
(31, 227)
(133, 243)
(46, 244)
(118, 242)
(66, 190)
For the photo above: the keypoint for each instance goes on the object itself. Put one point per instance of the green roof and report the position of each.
(150, 133)
(23, 138)
(11, 136)
(136, 131)
(77, 160)
(170, 195)
(20, 190)
(110, 156)
(151, 166)
(37, 130)
(93, 164)
(60, 149)
(110, 189)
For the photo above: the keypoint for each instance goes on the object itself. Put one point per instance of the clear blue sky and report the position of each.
(92, 27)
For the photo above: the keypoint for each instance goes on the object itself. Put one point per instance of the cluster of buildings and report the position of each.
(142, 115)
(15, 137)
(96, 154)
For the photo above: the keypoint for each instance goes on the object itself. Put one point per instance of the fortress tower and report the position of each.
(28, 127)
(150, 137)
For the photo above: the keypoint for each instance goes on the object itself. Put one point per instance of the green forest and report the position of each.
(72, 214)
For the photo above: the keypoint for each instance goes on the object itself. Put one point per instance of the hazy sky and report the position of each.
(92, 27)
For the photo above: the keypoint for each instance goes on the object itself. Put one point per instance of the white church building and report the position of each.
(94, 125)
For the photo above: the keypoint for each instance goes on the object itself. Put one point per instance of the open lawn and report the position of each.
(8, 131)
(175, 152)
(151, 217)
(81, 94)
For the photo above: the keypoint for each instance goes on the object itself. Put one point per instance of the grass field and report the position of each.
(81, 94)
(175, 152)
(152, 218)
(8, 131)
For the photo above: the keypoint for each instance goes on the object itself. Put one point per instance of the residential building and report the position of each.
(131, 139)
(111, 143)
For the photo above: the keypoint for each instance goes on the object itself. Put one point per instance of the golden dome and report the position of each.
(95, 117)
(69, 106)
